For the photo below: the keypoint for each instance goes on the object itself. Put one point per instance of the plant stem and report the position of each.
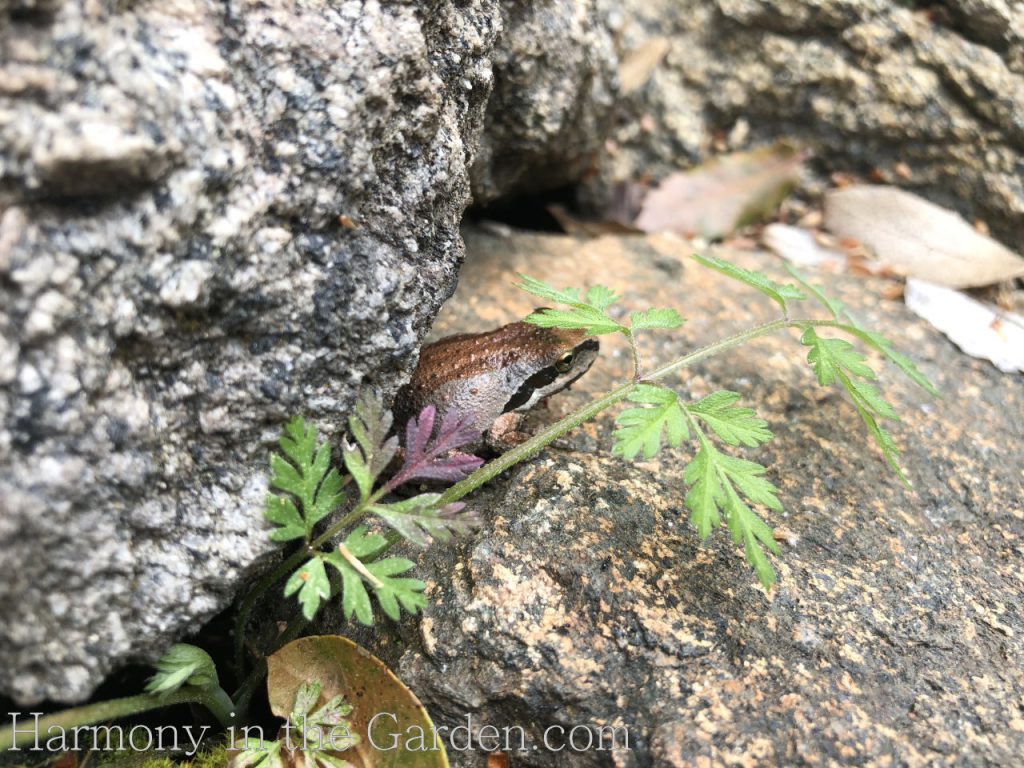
(719, 346)
(534, 444)
(243, 696)
(636, 355)
(245, 609)
(216, 701)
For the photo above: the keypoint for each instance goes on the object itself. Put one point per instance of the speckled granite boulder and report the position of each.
(555, 89)
(214, 215)
(929, 99)
(895, 633)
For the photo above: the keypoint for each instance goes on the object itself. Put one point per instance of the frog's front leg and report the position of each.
(505, 432)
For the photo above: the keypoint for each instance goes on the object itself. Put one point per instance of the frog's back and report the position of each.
(475, 373)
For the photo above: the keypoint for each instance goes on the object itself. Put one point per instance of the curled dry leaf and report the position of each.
(723, 194)
(978, 329)
(917, 238)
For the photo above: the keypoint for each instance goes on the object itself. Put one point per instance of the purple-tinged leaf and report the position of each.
(438, 458)
(418, 519)
(450, 468)
(459, 522)
(417, 433)
(370, 426)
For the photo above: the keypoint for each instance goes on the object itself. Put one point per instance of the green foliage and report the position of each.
(259, 753)
(373, 450)
(836, 360)
(354, 561)
(873, 339)
(315, 723)
(303, 472)
(313, 735)
(183, 664)
(355, 599)
(733, 425)
(655, 318)
(420, 519)
(718, 483)
(312, 585)
(590, 313)
(723, 486)
(641, 429)
(780, 293)
(312, 490)
(393, 592)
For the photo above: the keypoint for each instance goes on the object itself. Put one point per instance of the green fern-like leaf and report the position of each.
(419, 519)
(718, 483)
(655, 318)
(836, 361)
(303, 472)
(312, 585)
(588, 314)
(873, 339)
(732, 424)
(780, 293)
(391, 592)
(642, 430)
(373, 450)
(394, 592)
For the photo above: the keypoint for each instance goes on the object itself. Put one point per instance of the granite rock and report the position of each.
(212, 216)
(894, 634)
(555, 91)
(930, 99)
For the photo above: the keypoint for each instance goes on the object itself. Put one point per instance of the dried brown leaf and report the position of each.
(723, 194)
(917, 238)
(342, 667)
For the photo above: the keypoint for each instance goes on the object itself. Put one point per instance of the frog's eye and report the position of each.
(565, 362)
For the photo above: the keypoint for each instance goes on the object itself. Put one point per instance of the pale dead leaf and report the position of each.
(978, 329)
(800, 247)
(723, 194)
(917, 238)
(639, 64)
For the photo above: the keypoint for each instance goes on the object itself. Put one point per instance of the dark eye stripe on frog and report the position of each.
(522, 396)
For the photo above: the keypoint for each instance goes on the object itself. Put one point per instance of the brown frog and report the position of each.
(496, 376)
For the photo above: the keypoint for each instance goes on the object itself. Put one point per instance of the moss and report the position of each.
(215, 757)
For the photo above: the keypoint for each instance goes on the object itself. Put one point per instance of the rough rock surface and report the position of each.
(214, 215)
(895, 634)
(929, 99)
(555, 88)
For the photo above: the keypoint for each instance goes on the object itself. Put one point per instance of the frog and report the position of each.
(496, 376)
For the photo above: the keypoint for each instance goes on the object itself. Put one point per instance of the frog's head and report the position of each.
(560, 356)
